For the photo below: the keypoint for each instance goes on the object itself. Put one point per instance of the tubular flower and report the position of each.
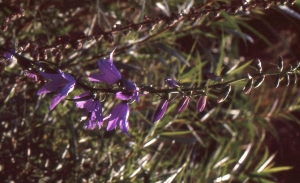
(93, 110)
(110, 73)
(171, 83)
(160, 110)
(61, 83)
(183, 103)
(118, 117)
(131, 92)
(201, 103)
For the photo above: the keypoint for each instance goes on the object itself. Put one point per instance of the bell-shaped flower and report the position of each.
(93, 110)
(119, 117)
(110, 73)
(171, 83)
(201, 103)
(183, 103)
(61, 83)
(131, 91)
(160, 110)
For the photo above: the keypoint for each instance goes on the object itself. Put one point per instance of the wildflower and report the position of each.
(160, 110)
(93, 110)
(110, 73)
(131, 91)
(183, 103)
(61, 83)
(171, 83)
(118, 117)
(201, 103)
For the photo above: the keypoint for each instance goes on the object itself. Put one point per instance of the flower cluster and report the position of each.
(63, 83)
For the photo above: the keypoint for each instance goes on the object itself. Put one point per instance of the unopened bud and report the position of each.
(224, 94)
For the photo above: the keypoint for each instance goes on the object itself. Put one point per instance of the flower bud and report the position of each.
(171, 83)
(259, 81)
(248, 86)
(183, 103)
(224, 94)
(201, 103)
(160, 110)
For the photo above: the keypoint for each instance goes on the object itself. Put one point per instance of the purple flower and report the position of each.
(110, 73)
(171, 83)
(131, 91)
(61, 83)
(201, 103)
(93, 110)
(183, 103)
(160, 110)
(118, 117)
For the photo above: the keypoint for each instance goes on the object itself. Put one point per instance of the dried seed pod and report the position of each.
(296, 78)
(277, 81)
(258, 65)
(248, 86)
(259, 81)
(287, 79)
(280, 63)
(224, 94)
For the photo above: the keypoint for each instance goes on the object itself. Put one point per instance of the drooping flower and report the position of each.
(131, 91)
(201, 103)
(119, 117)
(61, 83)
(110, 73)
(93, 110)
(160, 110)
(183, 103)
(171, 83)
